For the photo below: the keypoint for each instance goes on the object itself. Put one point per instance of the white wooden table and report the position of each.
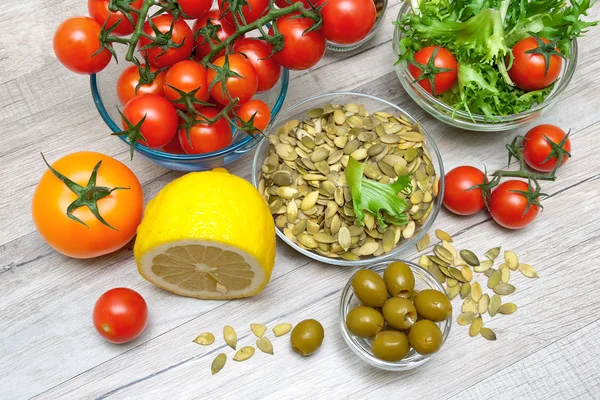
(49, 349)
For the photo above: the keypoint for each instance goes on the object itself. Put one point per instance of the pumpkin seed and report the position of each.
(507, 308)
(451, 249)
(218, 363)
(484, 266)
(493, 253)
(465, 290)
(205, 339)
(456, 274)
(494, 279)
(440, 234)
(489, 272)
(483, 304)
(265, 345)
(504, 289)
(452, 291)
(469, 305)
(466, 318)
(292, 212)
(488, 334)
(388, 242)
(476, 326)
(437, 272)
(424, 261)
(230, 336)
(504, 273)
(258, 329)
(443, 253)
(528, 271)
(469, 257)
(476, 292)
(282, 329)
(467, 273)
(244, 353)
(451, 282)
(511, 259)
(495, 303)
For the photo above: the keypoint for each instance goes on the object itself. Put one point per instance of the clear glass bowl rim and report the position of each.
(403, 245)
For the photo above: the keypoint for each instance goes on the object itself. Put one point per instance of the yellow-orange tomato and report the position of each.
(117, 194)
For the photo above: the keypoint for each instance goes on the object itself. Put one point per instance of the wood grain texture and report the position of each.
(50, 350)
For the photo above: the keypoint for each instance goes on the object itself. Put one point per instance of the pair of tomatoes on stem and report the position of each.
(513, 204)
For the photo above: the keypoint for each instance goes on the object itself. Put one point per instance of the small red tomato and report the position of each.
(127, 84)
(543, 144)
(286, 3)
(300, 50)
(507, 205)
(253, 10)
(224, 30)
(76, 42)
(160, 123)
(242, 86)
(173, 147)
(538, 70)
(120, 315)
(459, 195)
(258, 109)
(186, 76)
(181, 35)
(258, 53)
(195, 8)
(205, 138)
(347, 21)
(98, 10)
(442, 71)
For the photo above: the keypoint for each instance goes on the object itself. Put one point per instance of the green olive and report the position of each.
(425, 337)
(390, 346)
(307, 337)
(433, 305)
(399, 279)
(364, 321)
(370, 288)
(399, 313)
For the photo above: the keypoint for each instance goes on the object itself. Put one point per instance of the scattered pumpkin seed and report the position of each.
(507, 308)
(465, 290)
(466, 318)
(476, 326)
(258, 329)
(451, 282)
(484, 266)
(244, 353)
(440, 234)
(452, 291)
(528, 271)
(265, 345)
(493, 253)
(205, 339)
(282, 329)
(494, 279)
(423, 243)
(218, 363)
(230, 336)
(424, 261)
(476, 292)
(488, 333)
(511, 259)
(467, 273)
(504, 289)
(469, 257)
(451, 249)
(504, 273)
(489, 272)
(483, 304)
(469, 305)
(443, 253)
(495, 303)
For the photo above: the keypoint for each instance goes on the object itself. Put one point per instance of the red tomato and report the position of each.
(531, 71)
(457, 196)
(182, 34)
(224, 30)
(508, 207)
(243, 87)
(259, 109)
(98, 10)
(129, 80)
(205, 138)
(253, 10)
(539, 153)
(120, 315)
(430, 71)
(187, 76)
(300, 51)
(347, 21)
(173, 147)
(161, 121)
(286, 3)
(76, 41)
(195, 8)
(257, 52)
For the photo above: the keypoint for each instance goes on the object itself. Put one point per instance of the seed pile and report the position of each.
(303, 179)
(455, 269)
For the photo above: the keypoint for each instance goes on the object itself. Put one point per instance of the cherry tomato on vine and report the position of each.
(161, 121)
(300, 51)
(224, 30)
(257, 108)
(129, 80)
(542, 145)
(195, 8)
(79, 233)
(186, 76)
(242, 87)
(173, 147)
(459, 197)
(99, 11)
(347, 21)
(120, 315)
(258, 53)
(76, 42)
(535, 71)
(507, 207)
(286, 3)
(253, 10)
(181, 35)
(205, 138)
(442, 70)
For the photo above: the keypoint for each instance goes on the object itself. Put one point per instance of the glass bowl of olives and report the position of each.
(395, 315)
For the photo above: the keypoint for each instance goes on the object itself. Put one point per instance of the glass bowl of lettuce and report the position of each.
(480, 35)
(372, 204)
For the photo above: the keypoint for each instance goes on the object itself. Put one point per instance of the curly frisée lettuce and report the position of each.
(480, 34)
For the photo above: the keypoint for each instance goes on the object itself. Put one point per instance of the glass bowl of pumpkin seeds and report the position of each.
(308, 170)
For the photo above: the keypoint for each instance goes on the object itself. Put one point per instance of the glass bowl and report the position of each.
(362, 346)
(353, 46)
(104, 93)
(372, 104)
(477, 122)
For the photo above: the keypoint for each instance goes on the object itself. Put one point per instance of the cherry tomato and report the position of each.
(538, 152)
(300, 51)
(253, 10)
(443, 80)
(76, 41)
(259, 109)
(182, 34)
(224, 30)
(187, 76)
(347, 21)
(121, 209)
(129, 80)
(508, 207)
(195, 8)
(286, 3)
(530, 71)
(99, 11)
(458, 198)
(205, 138)
(173, 147)
(161, 121)
(243, 87)
(258, 53)
(120, 315)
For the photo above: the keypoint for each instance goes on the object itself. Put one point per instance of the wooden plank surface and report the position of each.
(50, 350)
